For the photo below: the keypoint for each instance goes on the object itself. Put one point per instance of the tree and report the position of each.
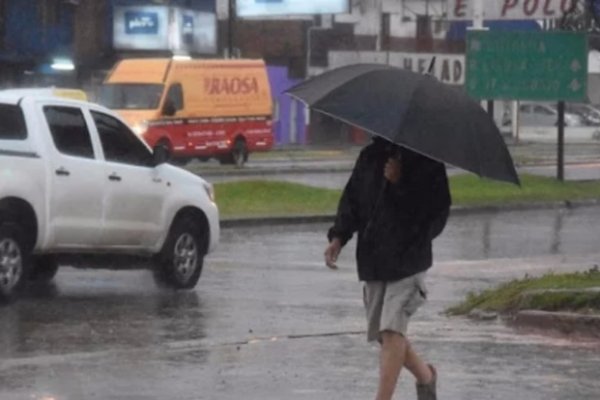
(583, 17)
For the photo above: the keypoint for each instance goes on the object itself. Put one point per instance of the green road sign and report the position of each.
(527, 65)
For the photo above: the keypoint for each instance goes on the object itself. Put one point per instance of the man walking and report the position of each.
(398, 202)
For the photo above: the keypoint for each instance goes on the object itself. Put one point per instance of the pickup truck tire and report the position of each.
(43, 269)
(14, 261)
(179, 264)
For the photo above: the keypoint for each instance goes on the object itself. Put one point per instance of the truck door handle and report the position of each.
(115, 178)
(62, 172)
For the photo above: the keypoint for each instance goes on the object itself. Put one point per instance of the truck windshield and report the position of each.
(131, 96)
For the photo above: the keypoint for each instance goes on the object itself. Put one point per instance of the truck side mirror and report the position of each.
(161, 154)
(169, 108)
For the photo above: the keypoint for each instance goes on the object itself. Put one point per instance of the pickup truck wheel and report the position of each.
(14, 261)
(180, 262)
(43, 269)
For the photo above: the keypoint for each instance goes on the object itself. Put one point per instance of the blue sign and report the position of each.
(141, 23)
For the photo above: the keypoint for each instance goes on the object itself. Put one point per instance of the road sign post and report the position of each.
(560, 165)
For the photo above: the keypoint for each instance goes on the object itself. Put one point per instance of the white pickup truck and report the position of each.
(78, 188)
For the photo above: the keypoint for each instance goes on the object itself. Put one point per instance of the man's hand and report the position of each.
(332, 252)
(393, 170)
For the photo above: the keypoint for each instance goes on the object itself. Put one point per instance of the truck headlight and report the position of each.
(141, 128)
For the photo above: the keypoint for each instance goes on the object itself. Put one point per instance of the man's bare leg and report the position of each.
(392, 358)
(416, 365)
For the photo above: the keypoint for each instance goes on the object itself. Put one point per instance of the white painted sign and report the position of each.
(261, 8)
(448, 68)
(511, 9)
(195, 31)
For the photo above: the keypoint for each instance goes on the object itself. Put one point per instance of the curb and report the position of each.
(272, 221)
(272, 172)
(456, 210)
(561, 322)
(264, 171)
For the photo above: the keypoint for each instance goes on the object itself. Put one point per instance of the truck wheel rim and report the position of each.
(186, 256)
(11, 264)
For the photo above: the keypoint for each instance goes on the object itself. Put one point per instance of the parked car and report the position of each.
(78, 187)
(589, 114)
(542, 115)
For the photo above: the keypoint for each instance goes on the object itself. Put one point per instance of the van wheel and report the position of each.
(14, 261)
(179, 264)
(239, 153)
(179, 161)
(43, 269)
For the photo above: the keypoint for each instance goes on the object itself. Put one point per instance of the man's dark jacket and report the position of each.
(404, 217)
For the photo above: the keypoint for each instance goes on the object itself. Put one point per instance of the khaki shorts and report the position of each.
(389, 305)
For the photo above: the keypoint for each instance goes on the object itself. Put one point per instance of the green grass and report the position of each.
(266, 198)
(270, 198)
(516, 295)
(471, 190)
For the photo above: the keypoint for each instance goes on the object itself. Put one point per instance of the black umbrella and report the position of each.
(415, 111)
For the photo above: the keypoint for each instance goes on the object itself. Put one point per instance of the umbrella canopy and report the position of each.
(415, 111)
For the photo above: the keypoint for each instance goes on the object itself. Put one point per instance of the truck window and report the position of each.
(120, 145)
(13, 123)
(175, 95)
(69, 131)
(130, 96)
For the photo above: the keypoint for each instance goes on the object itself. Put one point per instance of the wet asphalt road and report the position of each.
(269, 321)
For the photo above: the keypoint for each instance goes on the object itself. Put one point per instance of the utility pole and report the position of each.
(379, 4)
(230, 27)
